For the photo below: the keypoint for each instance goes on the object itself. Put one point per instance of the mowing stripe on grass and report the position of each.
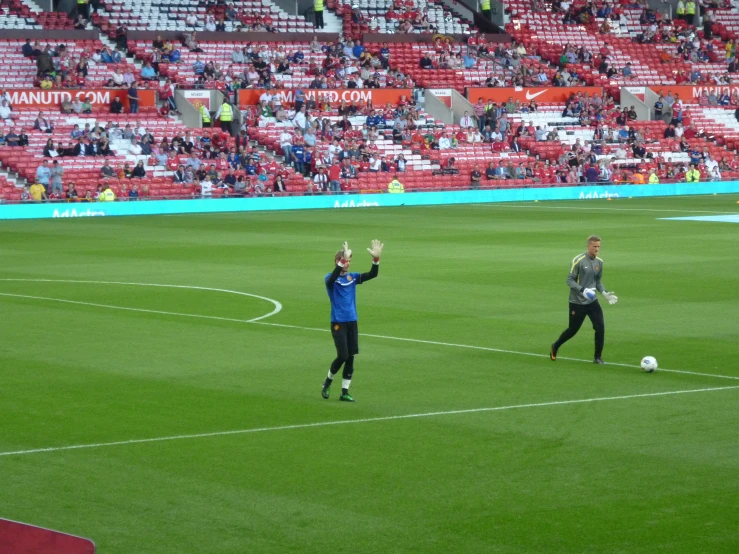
(258, 321)
(547, 205)
(362, 420)
(500, 350)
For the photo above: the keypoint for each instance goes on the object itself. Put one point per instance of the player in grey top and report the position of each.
(584, 279)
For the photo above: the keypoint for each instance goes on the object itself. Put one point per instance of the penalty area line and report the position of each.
(362, 420)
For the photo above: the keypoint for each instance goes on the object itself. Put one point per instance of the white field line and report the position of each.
(277, 305)
(320, 330)
(362, 420)
(499, 350)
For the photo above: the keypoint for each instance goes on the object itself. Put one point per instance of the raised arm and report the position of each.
(375, 251)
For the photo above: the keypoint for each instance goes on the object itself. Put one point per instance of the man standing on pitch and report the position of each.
(341, 287)
(584, 279)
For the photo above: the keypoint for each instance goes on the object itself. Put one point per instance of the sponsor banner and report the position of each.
(220, 205)
(19, 538)
(640, 93)
(378, 97)
(197, 97)
(527, 94)
(691, 92)
(38, 98)
(443, 94)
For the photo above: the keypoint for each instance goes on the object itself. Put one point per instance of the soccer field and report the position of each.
(177, 418)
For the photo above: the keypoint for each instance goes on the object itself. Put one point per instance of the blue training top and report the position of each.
(343, 296)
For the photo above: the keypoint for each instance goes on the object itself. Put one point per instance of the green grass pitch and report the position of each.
(640, 472)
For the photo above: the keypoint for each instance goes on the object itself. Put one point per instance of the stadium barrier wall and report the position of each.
(98, 97)
(378, 97)
(220, 205)
(527, 94)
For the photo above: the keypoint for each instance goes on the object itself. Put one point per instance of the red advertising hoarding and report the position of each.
(690, 92)
(39, 98)
(378, 97)
(527, 94)
(20, 538)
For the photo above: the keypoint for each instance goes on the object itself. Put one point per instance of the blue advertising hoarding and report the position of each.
(226, 205)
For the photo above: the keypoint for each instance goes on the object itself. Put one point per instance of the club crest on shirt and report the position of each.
(597, 267)
(349, 278)
(573, 312)
(336, 327)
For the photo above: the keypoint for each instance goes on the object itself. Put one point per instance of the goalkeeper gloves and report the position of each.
(589, 294)
(346, 255)
(376, 251)
(612, 298)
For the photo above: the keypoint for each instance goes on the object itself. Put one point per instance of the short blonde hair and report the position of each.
(593, 238)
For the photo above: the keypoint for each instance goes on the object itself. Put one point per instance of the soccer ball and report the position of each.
(648, 364)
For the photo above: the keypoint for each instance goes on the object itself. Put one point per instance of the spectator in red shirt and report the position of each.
(334, 174)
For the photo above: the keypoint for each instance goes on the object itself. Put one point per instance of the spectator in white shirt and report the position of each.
(321, 179)
(134, 148)
(6, 112)
(466, 122)
(206, 188)
(117, 77)
(300, 120)
(444, 142)
(266, 96)
(710, 164)
(286, 144)
(679, 130)
(210, 24)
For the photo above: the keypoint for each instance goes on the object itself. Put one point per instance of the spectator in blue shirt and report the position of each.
(358, 49)
(349, 49)
(299, 99)
(43, 173)
(385, 55)
(298, 156)
(148, 73)
(198, 67)
(233, 159)
(250, 167)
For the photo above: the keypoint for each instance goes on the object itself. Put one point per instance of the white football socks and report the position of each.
(345, 383)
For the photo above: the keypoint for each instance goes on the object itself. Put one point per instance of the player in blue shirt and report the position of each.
(341, 287)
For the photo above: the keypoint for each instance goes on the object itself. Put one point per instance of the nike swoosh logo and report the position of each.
(530, 96)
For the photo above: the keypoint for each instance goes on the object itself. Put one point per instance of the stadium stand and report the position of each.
(400, 16)
(184, 15)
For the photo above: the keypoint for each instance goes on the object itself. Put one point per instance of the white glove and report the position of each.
(376, 250)
(589, 294)
(346, 255)
(612, 298)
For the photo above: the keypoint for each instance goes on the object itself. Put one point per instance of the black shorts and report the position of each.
(346, 338)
